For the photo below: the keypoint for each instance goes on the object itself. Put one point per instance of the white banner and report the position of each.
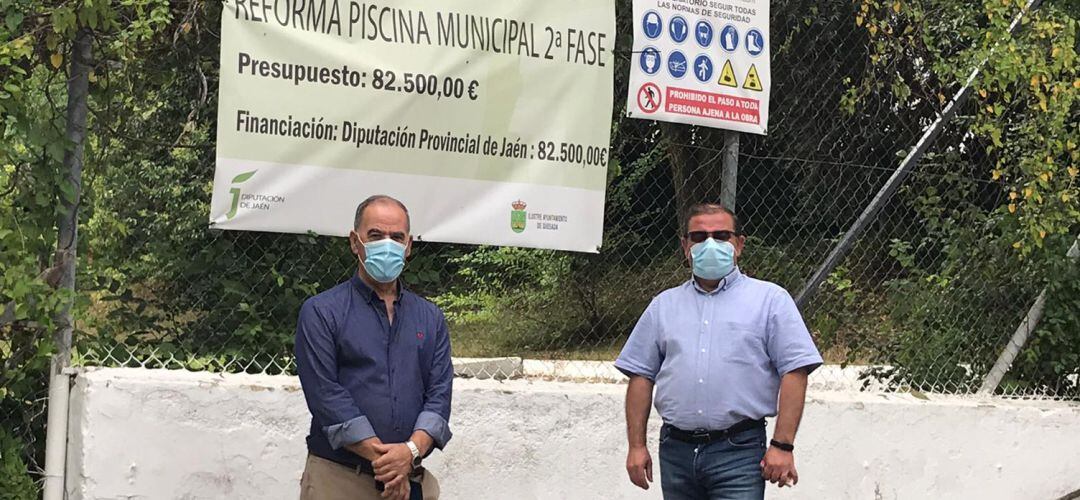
(701, 62)
(490, 120)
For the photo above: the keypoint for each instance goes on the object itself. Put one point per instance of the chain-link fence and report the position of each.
(925, 300)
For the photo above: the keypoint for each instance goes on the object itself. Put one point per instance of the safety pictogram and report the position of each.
(752, 81)
(703, 68)
(648, 98)
(729, 38)
(703, 33)
(652, 25)
(649, 60)
(677, 64)
(727, 76)
(679, 29)
(755, 42)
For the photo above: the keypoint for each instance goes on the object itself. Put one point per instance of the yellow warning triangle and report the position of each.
(727, 76)
(752, 82)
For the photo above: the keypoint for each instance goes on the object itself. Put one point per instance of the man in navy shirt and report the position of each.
(374, 363)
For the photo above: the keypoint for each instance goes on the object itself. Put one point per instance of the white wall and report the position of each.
(169, 434)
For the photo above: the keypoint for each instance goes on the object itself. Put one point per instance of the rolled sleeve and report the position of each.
(316, 363)
(435, 426)
(349, 432)
(434, 419)
(642, 355)
(790, 345)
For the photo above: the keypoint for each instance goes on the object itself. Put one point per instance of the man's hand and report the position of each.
(394, 464)
(639, 466)
(399, 491)
(778, 467)
(367, 448)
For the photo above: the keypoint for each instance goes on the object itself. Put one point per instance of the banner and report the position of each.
(490, 120)
(701, 62)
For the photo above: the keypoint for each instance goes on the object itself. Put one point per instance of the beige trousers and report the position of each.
(327, 480)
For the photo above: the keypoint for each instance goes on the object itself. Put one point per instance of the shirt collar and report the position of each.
(727, 282)
(369, 294)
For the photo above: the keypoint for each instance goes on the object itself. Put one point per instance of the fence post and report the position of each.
(1020, 336)
(66, 245)
(869, 214)
(730, 177)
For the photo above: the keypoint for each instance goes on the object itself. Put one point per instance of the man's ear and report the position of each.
(354, 243)
(684, 247)
(740, 241)
(408, 247)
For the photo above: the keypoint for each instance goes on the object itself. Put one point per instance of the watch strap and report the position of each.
(788, 447)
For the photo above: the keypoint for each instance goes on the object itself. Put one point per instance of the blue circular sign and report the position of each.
(652, 25)
(703, 68)
(703, 33)
(676, 64)
(678, 29)
(649, 60)
(755, 42)
(729, 38)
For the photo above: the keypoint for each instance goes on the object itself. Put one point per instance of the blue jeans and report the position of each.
(728, 469)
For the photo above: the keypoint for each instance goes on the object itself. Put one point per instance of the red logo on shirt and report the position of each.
(419, 335)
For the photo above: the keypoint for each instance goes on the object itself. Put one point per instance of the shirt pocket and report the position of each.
(741, 343)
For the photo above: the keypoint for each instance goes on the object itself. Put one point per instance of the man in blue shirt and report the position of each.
(721, 349)
(374, 363)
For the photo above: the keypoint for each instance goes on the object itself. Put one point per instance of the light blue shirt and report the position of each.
(717, 357)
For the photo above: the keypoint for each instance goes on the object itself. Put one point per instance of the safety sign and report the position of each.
(703, 68)
(727, 76)
(703, 34)
(678, 29)
(650, 60)
(677, 64)
(649, 98)
(701, 63)
(651, 25)
(755, 42)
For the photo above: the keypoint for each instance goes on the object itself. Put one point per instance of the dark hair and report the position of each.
(380, 198)
(709, 208)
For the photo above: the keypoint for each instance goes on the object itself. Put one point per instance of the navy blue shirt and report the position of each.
(365, 377)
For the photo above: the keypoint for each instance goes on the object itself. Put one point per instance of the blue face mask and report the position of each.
(712, 259)
(384, 260)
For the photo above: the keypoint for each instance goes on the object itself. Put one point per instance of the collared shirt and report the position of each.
(717, 357)
(364, 377)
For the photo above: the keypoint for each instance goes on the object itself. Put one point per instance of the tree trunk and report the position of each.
(695, 157)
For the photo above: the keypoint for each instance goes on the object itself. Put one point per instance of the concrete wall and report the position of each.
(169, 434)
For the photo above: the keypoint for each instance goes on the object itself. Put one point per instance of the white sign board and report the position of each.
(490, 120)
(701, 62)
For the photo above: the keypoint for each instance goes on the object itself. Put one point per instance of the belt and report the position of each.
(362, 468)
(704, 436)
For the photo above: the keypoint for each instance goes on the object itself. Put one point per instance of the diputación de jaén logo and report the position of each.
(235, 192)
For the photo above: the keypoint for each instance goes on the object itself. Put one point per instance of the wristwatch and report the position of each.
(416, 458)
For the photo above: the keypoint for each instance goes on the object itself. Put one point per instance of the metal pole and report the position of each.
(897, 178)
(66, 244)
(1020, 336)
(730, 176)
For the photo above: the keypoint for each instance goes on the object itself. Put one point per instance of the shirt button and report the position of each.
(706, 322)
(703, 350)
(699, 412)
(701, 381)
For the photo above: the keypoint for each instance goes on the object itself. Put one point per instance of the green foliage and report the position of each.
(14, 483)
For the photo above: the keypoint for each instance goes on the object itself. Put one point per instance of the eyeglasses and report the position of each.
(699, 236)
